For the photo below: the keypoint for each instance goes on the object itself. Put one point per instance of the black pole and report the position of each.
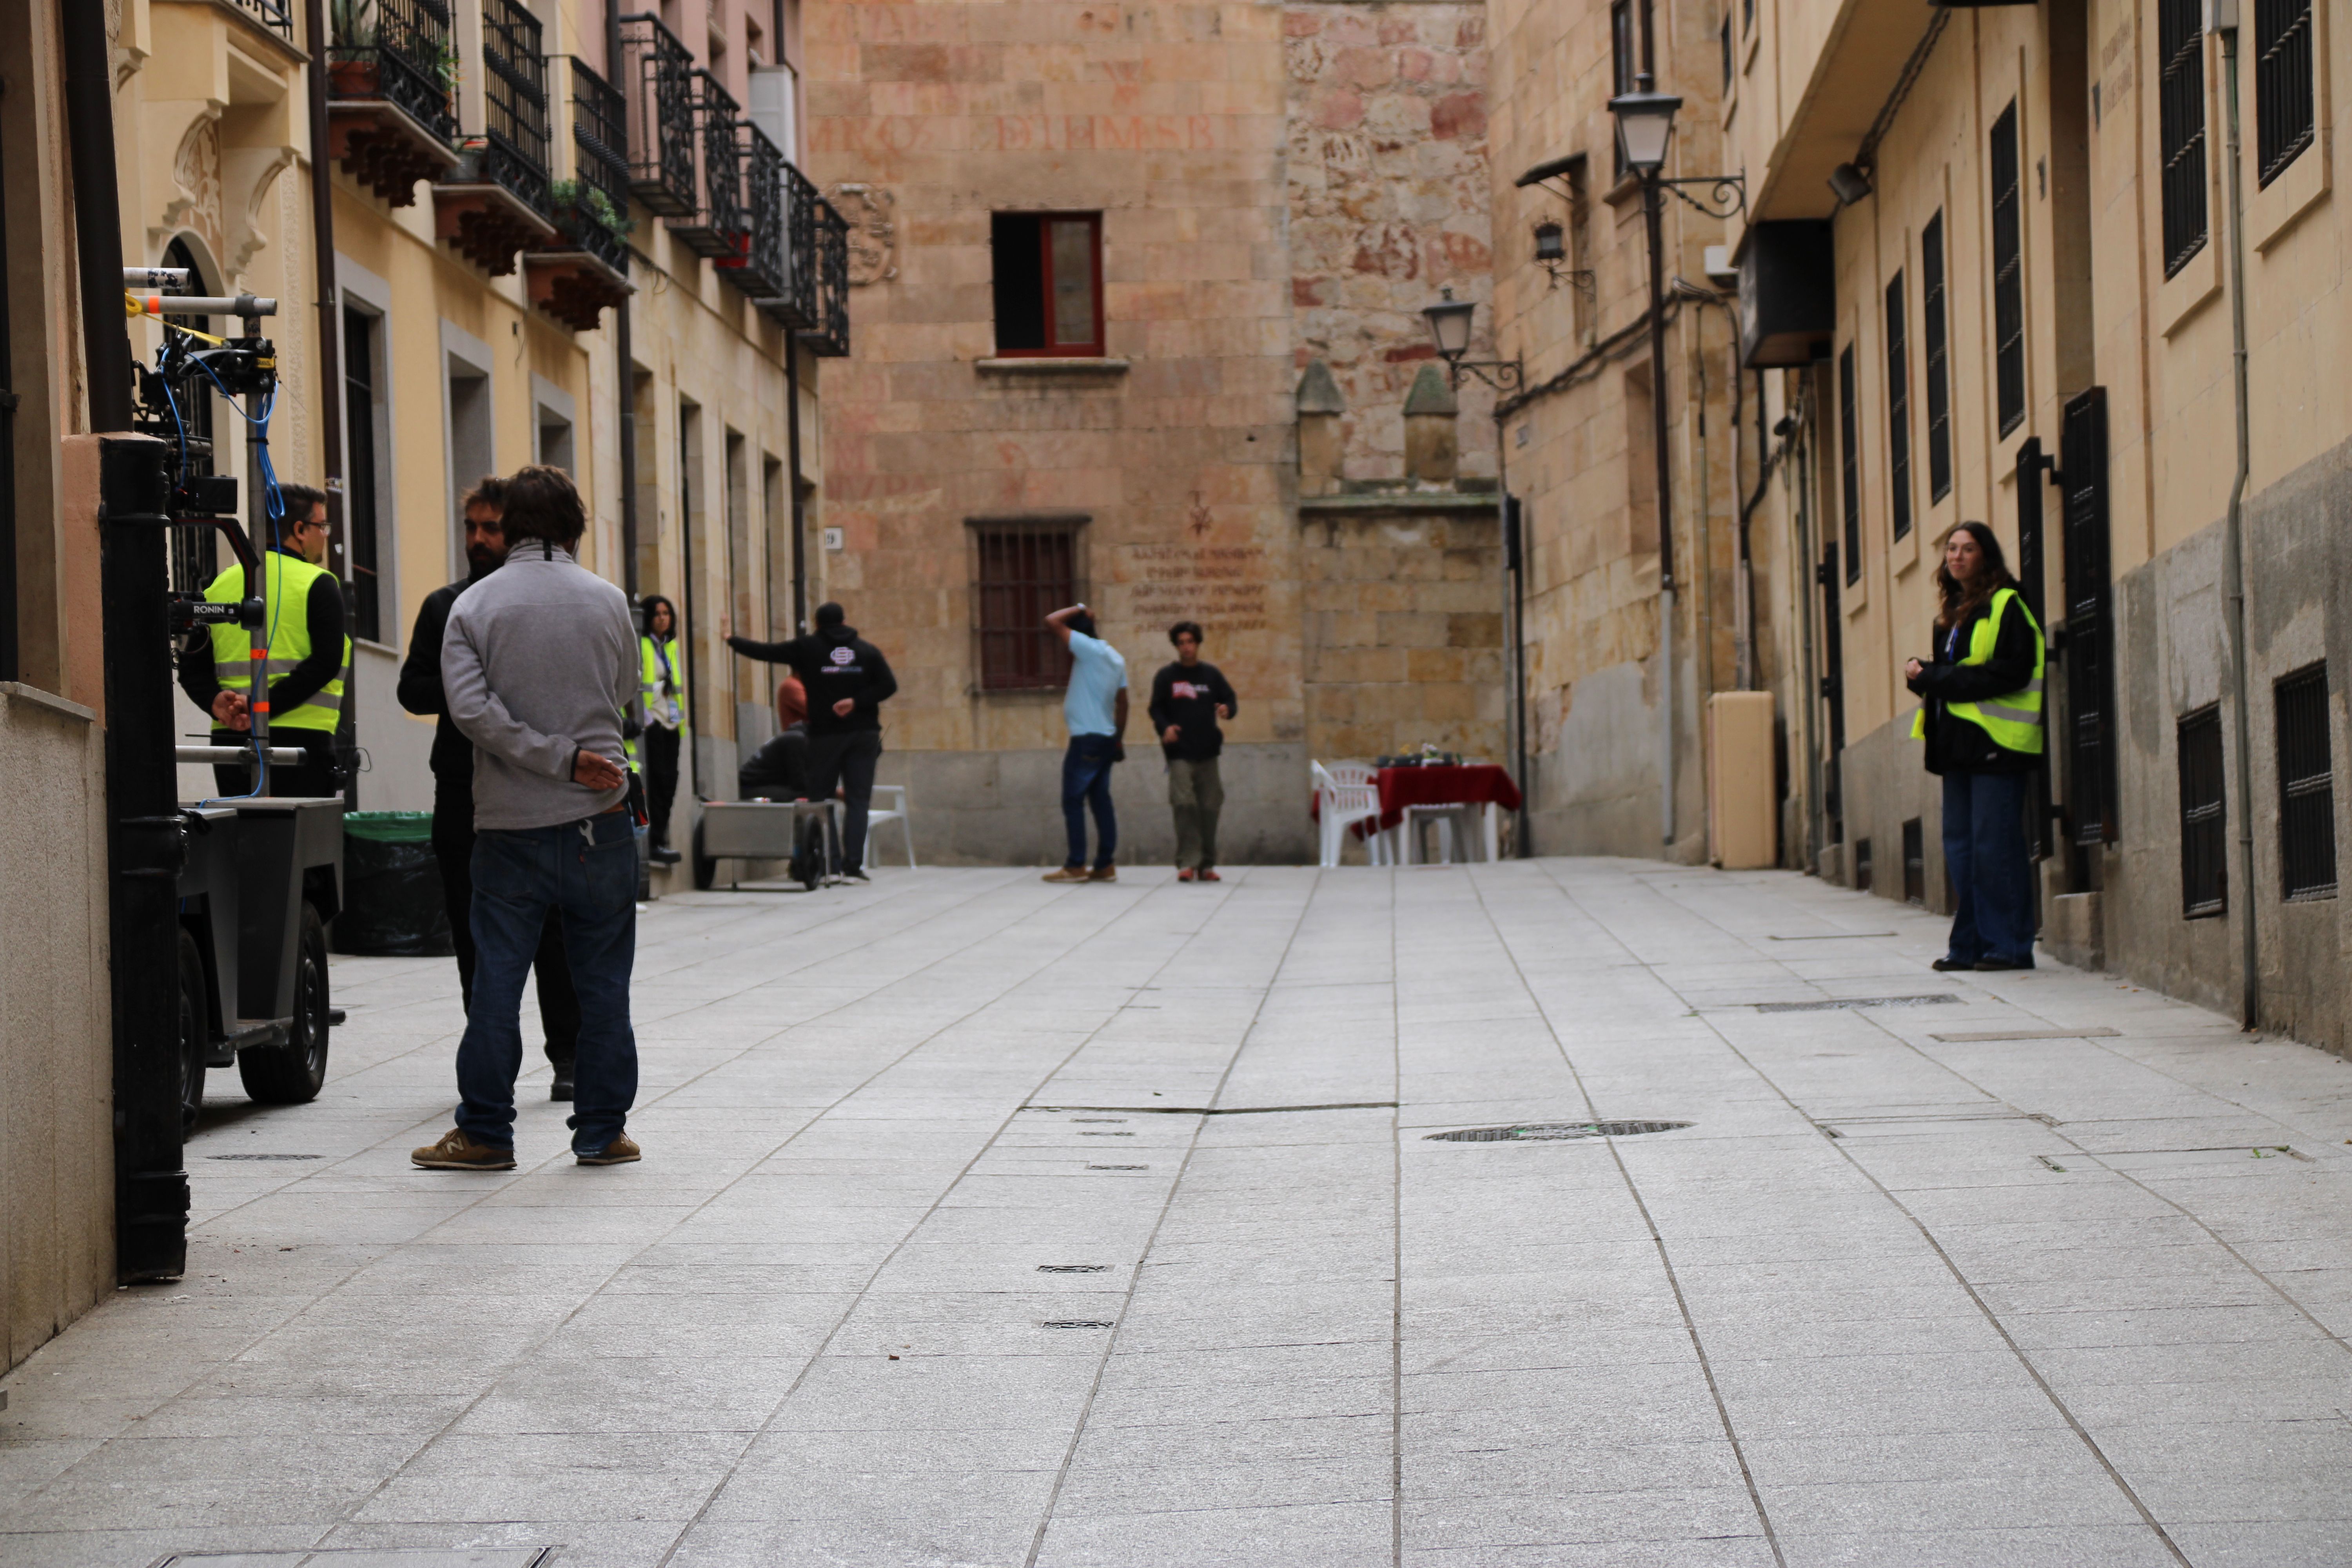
(97, 216)
(1654, 219)
(686, 630)
(1514, 559)
(624, 354)
(793, 451)
(330, 380)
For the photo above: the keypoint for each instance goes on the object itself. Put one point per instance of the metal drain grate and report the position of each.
(1552, 1131)
(1118, 1167)
(1105, 1134)
(1077, 1323)
(1074, 1269)
(1847, 1004)
(265, 1156)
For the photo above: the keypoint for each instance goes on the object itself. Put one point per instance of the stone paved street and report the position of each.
(935, 1259)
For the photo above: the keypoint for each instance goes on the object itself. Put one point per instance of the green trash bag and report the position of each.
(392, 903)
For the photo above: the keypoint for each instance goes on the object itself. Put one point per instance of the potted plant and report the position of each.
(350, 66)
(576, 202)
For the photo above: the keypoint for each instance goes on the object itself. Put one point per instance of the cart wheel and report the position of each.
(706, 869)
(293, 1073)
(196, 1032)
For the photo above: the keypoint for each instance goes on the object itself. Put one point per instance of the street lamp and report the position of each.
(1449, 333)
(1646, 128)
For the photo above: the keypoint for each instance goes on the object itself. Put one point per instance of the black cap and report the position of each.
(830, 616)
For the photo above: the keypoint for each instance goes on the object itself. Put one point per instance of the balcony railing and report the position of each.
(793, 306)
(278, 16)
(594, 210)
(766, 270)
(716, 227)
(514, 96)
(657, 76)
(830, 336)
(398, 52)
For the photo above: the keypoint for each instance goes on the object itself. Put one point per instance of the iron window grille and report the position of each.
(1898, 406)
(599, 164)
(409, 64)
(2283, 84)
(2181, 128)
(1850, 464)
(360, 476)
(794, 305)
(2007, 272)
(1937, 326)
(657, 77)
(2204, 844)
(830, 337)
(514, 99)
(1624, 65)
(766, 269)
(2089, 661)
(716, 227)
(2307, 770)
(1915, 862)
(1023, 570)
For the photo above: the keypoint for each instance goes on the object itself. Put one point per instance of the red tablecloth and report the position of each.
(1400, 787)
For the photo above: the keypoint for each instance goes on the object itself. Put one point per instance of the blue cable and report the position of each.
(274, 508)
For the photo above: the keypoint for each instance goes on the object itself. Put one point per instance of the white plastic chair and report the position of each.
(1409, 833)
(1345, 796)
(898, 814)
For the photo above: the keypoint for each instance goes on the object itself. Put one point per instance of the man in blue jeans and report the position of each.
(540, 662)
(1095, 708)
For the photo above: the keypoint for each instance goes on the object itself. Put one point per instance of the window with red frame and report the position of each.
(1048, 272)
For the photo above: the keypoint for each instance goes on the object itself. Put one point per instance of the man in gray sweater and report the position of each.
(540, 662)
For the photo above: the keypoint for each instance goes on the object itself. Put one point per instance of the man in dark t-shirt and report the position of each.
(1188, 698)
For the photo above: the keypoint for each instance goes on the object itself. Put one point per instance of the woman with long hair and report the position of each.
(664, 694)
(1980, 713)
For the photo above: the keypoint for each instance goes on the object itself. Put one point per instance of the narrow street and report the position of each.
(984, 1222)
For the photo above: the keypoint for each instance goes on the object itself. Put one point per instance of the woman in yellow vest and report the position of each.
(1980, 714)
(664, 693)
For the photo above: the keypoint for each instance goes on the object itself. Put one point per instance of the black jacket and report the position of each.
(1189, 699)
(420, 687)
(779, 770)
(1955, 744)
(323, 608)
(832, 665)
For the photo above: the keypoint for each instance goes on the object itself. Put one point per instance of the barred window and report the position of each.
(1898, 407)
(2204, 845)
(2007, 272)
(1849, 460)
(2306, 772)
(1023, 570)
(2181, 128)
(1933, 305)
(2283, 84)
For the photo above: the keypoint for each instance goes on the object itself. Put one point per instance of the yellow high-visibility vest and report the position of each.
(289, 582)
(649, 686)
(2013, 720)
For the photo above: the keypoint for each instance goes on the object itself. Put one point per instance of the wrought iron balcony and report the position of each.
(716, 227)
(656, 74)
(278, 16)
(794, 305)
(576, 275)
(514, 96)
(765, 271)
(392, 75)
(830, 336)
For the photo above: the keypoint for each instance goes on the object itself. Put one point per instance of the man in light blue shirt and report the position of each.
(1096, 710)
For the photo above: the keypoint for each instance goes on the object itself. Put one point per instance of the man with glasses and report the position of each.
(309, 656)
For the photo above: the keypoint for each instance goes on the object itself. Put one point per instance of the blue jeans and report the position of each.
(1993, 877)
(586, 872)
(1086, 780)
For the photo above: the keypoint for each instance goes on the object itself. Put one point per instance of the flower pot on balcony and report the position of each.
(353, 78)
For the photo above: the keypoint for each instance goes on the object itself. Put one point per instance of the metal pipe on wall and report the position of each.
(331, 373)
(2234, 566)
(623, 354)
(792, 457)
(98, 213)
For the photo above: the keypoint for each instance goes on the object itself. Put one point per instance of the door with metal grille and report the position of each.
(2089, 656)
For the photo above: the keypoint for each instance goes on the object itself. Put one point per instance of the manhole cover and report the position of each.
(1074, 1269)
(1076, 1323)
(1847, 1004)
(1552, 1131)
(265, 1156)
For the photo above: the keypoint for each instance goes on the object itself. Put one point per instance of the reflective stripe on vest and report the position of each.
(289, 583)
(649, 679)
(2014, 719)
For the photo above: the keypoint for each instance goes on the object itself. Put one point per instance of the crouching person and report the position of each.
(539, 659)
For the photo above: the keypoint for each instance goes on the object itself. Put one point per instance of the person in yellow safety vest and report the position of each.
(665, 717)
(309, 656)
(1980, 714)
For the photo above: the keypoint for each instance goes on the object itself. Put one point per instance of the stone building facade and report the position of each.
(1278, 191)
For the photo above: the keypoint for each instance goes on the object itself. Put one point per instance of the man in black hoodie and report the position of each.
(420, 693)
(847, 681)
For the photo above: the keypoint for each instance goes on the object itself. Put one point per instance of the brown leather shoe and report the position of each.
(1067, 873)
(1103, 874)
(456, 1152)
(622, 1150)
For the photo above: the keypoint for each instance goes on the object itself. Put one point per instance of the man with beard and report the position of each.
(453, 790)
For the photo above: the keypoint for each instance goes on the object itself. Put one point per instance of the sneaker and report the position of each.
(1102, 874)
(456, 1152)
(1945, 966)
(1184, 874)
(1067, 874)
(1209, 875)
(622, 1150)
(560, 1089)
(858, 877)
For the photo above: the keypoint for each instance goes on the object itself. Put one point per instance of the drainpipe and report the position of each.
(624, 355)
(1798, 476)
(1747, 589)
(793, 476)
(2222, 16)
(331, 375)
(97, 213)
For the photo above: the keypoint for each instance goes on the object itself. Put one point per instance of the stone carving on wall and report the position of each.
(196, 182)
(873, 232)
